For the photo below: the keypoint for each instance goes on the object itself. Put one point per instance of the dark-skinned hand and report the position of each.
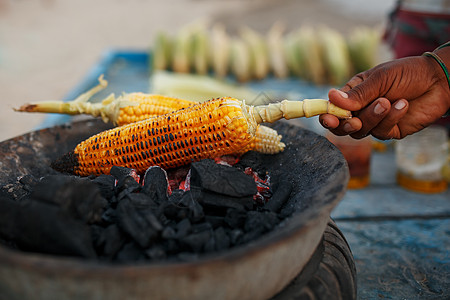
(392, 100)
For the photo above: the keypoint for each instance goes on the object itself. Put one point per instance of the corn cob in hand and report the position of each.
(217, 127)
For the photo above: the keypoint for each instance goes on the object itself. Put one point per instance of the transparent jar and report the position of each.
(421, 158)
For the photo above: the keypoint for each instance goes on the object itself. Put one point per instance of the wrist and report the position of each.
(439, 60)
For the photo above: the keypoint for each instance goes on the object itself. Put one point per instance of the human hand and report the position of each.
(391, 100)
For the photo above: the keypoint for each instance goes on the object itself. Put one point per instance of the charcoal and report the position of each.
(168, 233)
(195, 210)
(235, 235)
(220, 203)
(201, 227)
(127, 185)
(221, 179)
(155, 184)
(141, 224)
(109, 216)
(130, 251)
(265, 220)
(141, 200)
(105, 184)
(156, 252)
(108, 240)
(183, 227)
(196, 241)
(79, 197)
(222, 241)
(235, 218)
(120, 173)
(215, 221)
(279, 197)
(210, 245)
(45, 228)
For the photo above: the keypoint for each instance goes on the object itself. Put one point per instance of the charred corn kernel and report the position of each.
(214, 128)
(217, 127)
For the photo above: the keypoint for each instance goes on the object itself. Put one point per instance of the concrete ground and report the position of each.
(47, 46)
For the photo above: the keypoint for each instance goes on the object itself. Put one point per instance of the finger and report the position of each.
(371, 116)
(347, 126)
(354, 81)
(329, 121)
(388, 128)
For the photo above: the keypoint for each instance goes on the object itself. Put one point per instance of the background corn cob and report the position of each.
(321, 55)
(133, 107)
(214, 128)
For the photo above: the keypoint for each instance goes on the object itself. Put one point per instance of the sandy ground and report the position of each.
(47, 46)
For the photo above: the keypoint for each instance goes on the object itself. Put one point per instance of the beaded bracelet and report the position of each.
(440, 62)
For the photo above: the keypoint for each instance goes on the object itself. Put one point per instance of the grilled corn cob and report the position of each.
(134, 107)
(217, 127)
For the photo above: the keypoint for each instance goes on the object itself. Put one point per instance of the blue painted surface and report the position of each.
(400, 239)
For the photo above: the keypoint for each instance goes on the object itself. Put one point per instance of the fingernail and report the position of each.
(379, 109)
(348, 127)
(400, 105)
(344, 95)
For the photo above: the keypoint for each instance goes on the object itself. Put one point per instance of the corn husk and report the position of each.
(162, 48)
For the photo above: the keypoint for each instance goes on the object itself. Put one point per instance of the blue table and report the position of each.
(400, 239)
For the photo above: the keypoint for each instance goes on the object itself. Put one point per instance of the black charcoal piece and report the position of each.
(155, 184)
(265, 220)
(201, 227)
(168, 233)
(215, 221)
(105, 184)
(196, 241)
(43, 227)
(279, 197)
(235, 235)
(141, 200)
(120, 173)
(130, 252)
(190, 201)
(108, 240)
(125, 186)
(183, 227)
(141, 224)
(109, 215)
(222, 239)
(156, 252)
(222, 179)
(235, 218)
(79, 197)
(220, 203)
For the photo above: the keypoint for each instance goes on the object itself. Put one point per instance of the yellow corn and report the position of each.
(133, 107)
(217, 127)
(211, 129)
